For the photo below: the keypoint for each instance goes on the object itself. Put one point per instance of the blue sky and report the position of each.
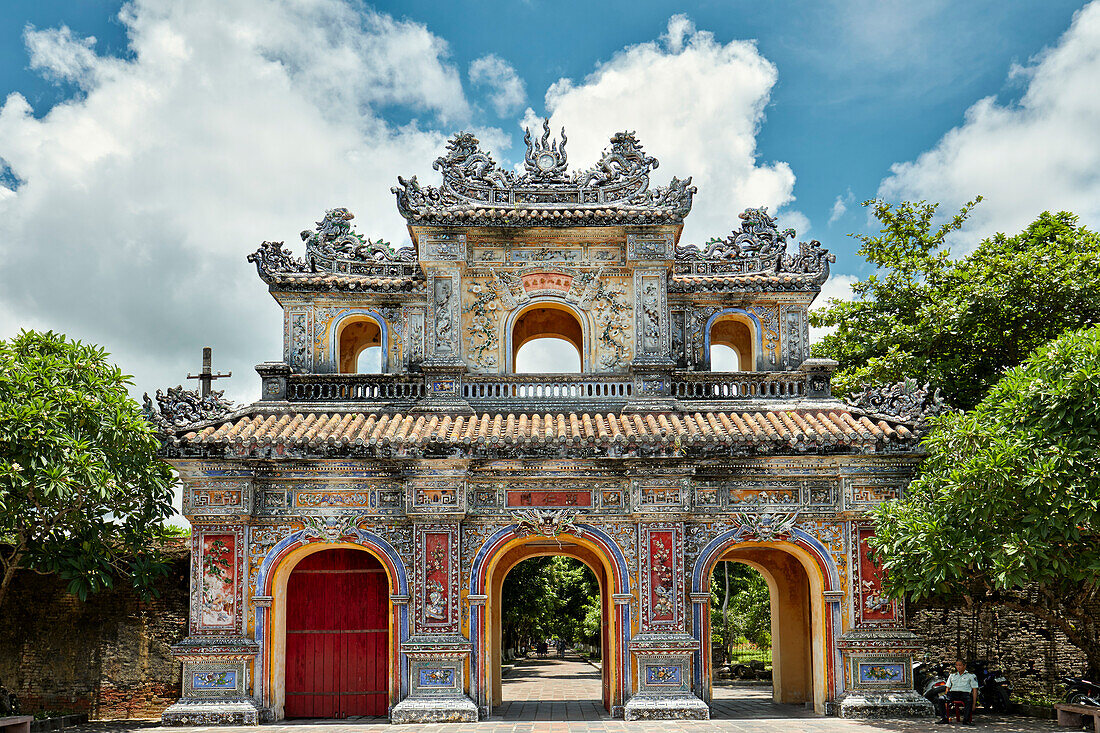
(142, 166)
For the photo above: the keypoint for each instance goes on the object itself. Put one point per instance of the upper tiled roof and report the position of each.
(275, 434)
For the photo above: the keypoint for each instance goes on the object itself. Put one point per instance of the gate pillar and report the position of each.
(878, 650)
(663, 650)
(438, 653)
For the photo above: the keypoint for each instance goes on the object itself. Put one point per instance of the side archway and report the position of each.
(353, 331)
(271, 610)
(807, 629)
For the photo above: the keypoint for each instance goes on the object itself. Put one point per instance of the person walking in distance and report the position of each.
(962, 686)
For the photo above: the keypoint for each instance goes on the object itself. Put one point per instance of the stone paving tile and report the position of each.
(562, 696)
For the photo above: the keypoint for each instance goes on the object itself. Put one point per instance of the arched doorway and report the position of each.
(337, 636)
(508, 548)
(359, 346)
(737, 332)
(798, 574)
(558, 327)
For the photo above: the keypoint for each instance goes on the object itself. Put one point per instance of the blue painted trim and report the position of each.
(758, 354)
(334, 327)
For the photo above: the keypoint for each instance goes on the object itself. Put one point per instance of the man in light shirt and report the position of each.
(961, 686)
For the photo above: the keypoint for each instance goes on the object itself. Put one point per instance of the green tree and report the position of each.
(740, 607)
(958, 323)
(82, 493)
(1007, 506)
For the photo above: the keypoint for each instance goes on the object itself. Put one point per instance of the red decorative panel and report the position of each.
(437, 571)
(873, 606)
(217, 607)
(522, 497)
(547, 281)
(337, 636)
(662, 596)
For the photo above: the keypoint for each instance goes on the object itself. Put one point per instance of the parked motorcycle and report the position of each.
(994, 689)
(1080, 691)
(930, 680)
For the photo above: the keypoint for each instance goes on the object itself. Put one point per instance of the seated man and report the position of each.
(961, 686)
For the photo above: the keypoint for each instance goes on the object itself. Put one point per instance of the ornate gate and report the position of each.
(337, 636)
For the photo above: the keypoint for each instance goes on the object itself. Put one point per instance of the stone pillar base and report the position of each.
(885, 705)
(439, 710)
(212, 712)
(659, 707)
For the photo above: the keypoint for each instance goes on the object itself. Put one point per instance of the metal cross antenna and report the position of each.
(206, 376)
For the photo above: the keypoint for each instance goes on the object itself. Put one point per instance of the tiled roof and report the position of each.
(545, 215)
(746, 281)
(669, 433)
(340, 281)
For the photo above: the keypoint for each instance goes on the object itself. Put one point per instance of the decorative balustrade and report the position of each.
(541, 391)
(355, 387)
(738, 385)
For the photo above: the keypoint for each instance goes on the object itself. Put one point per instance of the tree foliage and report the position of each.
(550, 597)
(958, 323)
(82, 493)
(745, 614)
(1007, 506)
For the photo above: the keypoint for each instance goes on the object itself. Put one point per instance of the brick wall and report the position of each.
(1032, 651)
(108, 656)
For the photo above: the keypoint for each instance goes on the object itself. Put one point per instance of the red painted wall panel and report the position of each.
(337, 636)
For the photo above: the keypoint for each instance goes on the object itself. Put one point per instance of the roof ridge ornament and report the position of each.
(545, 161)
(476, 190)
(758, 246)
(906, 401)
(182, 408)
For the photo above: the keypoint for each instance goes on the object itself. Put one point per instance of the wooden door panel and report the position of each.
(337, 642)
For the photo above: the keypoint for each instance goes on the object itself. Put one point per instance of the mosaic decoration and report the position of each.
(437, 677)
(874, 606)
(662, 579)
(226, 679)
(664, 674)
(647, 462)
(218, 604)
(880, 673)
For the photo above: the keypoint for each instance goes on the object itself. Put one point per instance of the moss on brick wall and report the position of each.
(108, 656)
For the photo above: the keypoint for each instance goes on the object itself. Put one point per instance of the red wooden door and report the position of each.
(337, 636)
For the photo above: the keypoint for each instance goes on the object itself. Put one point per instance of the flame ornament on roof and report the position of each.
(476, 189)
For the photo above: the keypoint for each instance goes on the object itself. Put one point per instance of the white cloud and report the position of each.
(506, 90)
(840, 206)
(696, 104)
(1040, 154)
(59, 55)
(838, 287)
(233, 121)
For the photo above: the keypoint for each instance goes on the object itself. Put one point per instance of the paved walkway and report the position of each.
(563, 696)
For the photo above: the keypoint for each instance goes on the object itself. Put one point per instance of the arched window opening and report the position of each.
(354, 338)
(547, 331)
(735, 332)
(552, 355)
(724, 359)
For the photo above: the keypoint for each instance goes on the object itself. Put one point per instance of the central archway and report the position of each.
(508, 548)
(545, 319)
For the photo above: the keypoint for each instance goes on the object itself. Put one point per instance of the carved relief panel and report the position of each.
(443, 312)
(662, 576)
(217, 571)
(437, 579)
(873, 607)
